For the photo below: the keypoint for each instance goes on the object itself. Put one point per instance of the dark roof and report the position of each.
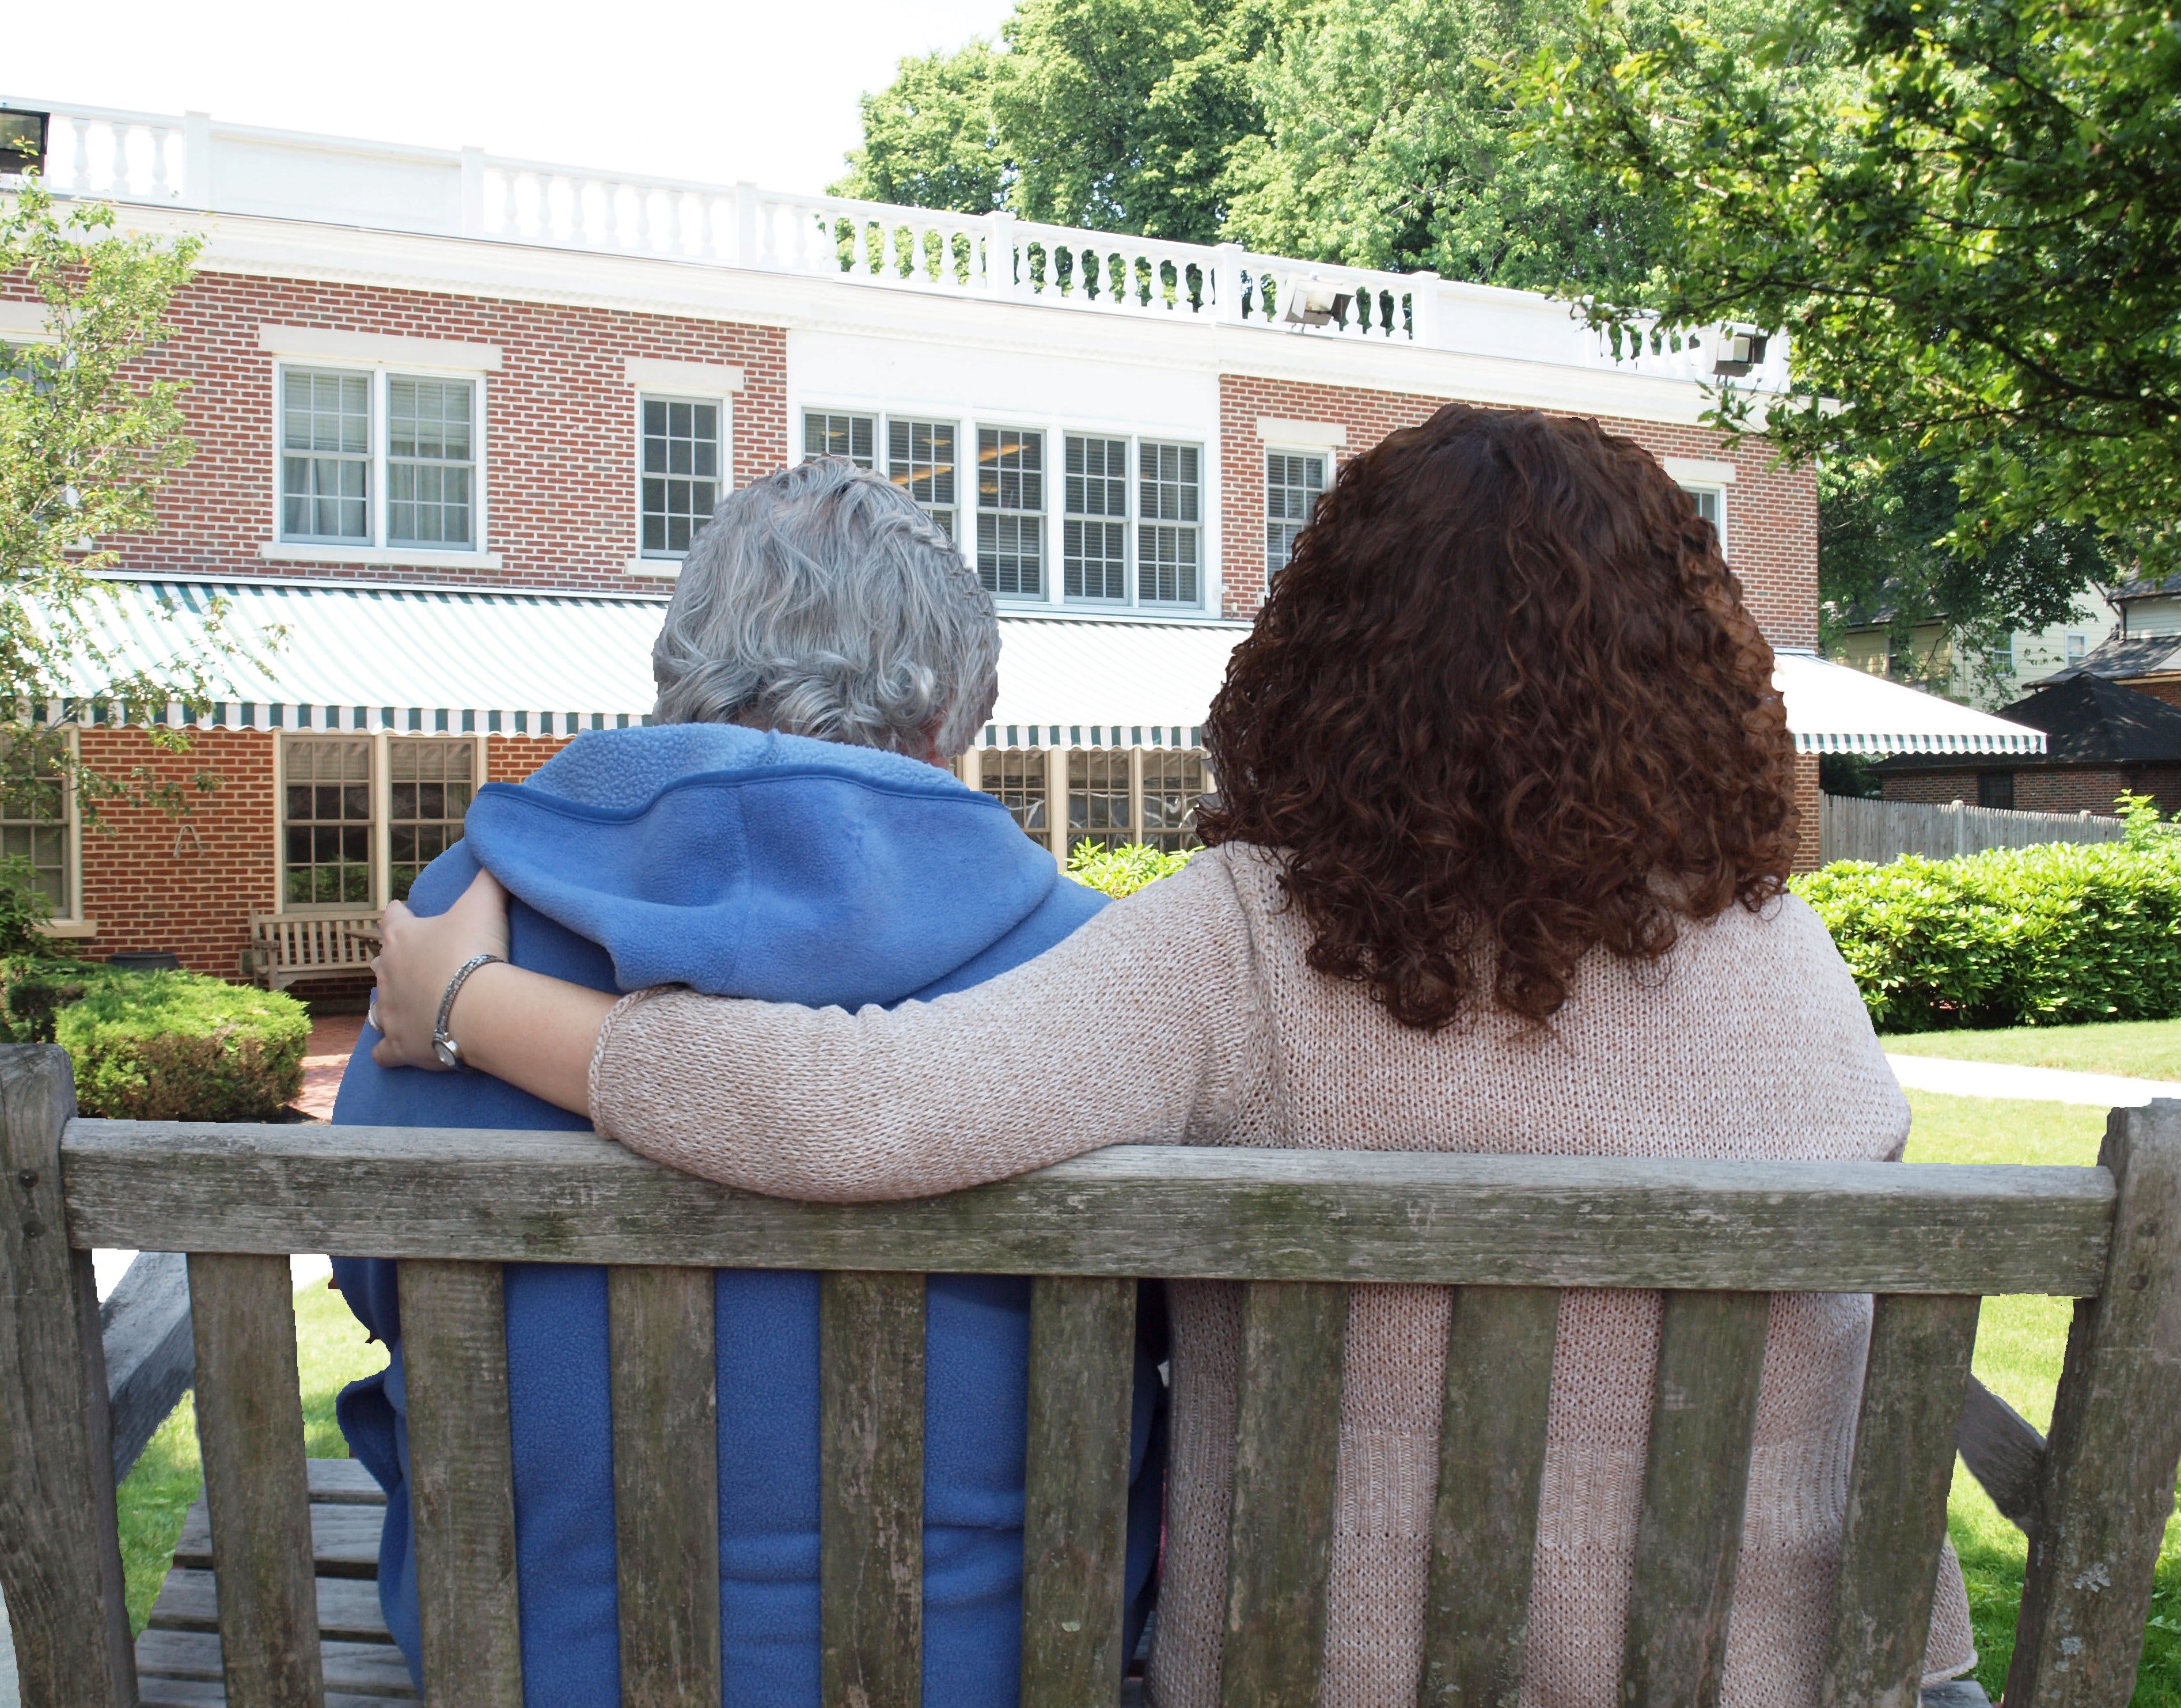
(2123, 657)
(2087, 720)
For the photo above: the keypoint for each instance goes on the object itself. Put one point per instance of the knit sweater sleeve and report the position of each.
(1131, 1030)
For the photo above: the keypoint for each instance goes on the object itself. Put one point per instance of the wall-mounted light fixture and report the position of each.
(1738, 352)
(22, 141)
(1310, 303)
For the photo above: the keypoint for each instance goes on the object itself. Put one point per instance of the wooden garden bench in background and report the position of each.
(285, 948)
(1297, 1227)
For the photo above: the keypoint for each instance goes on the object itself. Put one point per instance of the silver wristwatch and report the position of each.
(449, 1053)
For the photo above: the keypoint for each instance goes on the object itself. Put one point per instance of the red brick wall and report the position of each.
(1771, 515)
(510, 759)
(560, 442)
(1806, 812)
(189, 883)
(2046, 789)
(2165, 688)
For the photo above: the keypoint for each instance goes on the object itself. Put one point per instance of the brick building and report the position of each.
(2101, 739)
(455, 417)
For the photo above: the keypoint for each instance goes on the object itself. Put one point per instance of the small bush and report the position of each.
(2046, 936)
(24, 908)
(1124, 870)
(176, 1046)
(35, 987)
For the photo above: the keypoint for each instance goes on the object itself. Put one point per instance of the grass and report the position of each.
(2019, 1344)
(2140, 1049)
(330, 1352)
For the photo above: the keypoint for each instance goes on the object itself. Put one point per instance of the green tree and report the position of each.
(1972, 252)
(1392, 139)
(1117, 114)
(86, 442)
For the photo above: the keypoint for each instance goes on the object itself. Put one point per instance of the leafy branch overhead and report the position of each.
(86, 442)
(1971, 242)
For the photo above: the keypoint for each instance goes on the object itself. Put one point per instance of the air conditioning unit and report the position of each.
(1312, 303)
(22, 142)
(1738, 352)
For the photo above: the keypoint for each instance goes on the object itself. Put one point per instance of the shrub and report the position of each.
(1124, 870)
(176, 1046)
(2044, 936)
(24, 908)
(34, 987)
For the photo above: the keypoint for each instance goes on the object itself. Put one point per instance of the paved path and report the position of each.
(2032, 1084)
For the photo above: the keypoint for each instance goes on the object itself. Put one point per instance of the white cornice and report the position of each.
(653, 285)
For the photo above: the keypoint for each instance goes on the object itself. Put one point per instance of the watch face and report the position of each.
(445, 1050)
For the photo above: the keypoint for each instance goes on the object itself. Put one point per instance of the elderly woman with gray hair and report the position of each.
(785, 829)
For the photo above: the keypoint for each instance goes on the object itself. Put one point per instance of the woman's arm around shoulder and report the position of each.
(1131, 1030)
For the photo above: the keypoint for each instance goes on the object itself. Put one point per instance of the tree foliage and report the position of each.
(85, 445)
(1972, 252)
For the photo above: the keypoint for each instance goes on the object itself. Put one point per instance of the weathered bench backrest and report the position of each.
(1295, 1227)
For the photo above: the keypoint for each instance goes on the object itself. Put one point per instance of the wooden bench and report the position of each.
(1296, 1227)
(286, 947)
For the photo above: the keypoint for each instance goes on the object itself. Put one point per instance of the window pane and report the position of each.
(429, 468)
(1098, 797)
(327, 819)
(681, 459)
(1094, 553)
(854, 437)
(1017, 777)
(920, 460)
(33, 825)
(1293, 484)
(325, 435)
(1010, 511)
(430, 784)
(1167, 538)
(1174, 783)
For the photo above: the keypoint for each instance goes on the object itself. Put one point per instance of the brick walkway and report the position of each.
(333, 1040)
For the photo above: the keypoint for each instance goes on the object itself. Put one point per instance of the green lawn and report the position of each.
(331, 1352)
(2140, 1049)
(2019, 1343)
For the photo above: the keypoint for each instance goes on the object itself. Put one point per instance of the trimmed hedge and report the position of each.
(176, 1046)
(1124, 870)
(2051, 935)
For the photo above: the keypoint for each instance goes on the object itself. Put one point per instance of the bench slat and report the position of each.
(666, 1485)
(870, 1386)
(1287, 1447)
(1914, 1382)
(1491, 1464)
(1180, 1211)
(1696, 1479)
(362, 1669)
(461, 1483)
(249, 1433)
(1075, 1523)
(2116, 1437)
(348, 1607)
(343, 1538)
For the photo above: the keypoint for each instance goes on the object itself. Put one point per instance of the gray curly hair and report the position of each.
(821, 601)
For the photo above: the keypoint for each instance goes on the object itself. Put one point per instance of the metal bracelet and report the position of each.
(449, 1053)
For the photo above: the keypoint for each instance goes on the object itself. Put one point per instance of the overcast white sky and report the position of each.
(715, 92)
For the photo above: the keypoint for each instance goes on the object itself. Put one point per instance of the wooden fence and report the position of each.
(1849, 828)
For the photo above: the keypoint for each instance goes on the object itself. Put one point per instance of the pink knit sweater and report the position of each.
(1186, 1015)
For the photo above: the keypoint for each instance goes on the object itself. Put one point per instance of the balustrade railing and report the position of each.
(190, 161)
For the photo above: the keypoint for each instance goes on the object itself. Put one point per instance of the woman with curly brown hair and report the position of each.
(1498, 866)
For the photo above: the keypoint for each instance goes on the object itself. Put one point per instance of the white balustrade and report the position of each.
(155, 159)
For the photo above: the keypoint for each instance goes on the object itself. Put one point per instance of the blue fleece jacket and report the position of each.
(744, 864)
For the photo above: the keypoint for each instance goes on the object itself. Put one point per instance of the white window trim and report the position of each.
(1211, 587)
(698, 384)
(375, 553)
(1718, 493)
(73, 923)
(971, 507)
(1290, 449)
(1698, 472)
(382, 812)
(25, 322)
(320, 346)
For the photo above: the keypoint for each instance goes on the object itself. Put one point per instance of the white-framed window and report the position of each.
(38, 826)
(1711, 505)
(361, 814)
(326, 822)
(432, 785)
(1094, 546)
(1100, 803)
(1294, 483)
(1173, 782)
(1170, 528)
(921, 461)
(1017, 777)
(682, 463)
(840, 433)
(1011, 511)
(2077, 648)
(378, 460)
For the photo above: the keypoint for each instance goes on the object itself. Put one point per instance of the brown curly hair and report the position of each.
(1504, 705)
